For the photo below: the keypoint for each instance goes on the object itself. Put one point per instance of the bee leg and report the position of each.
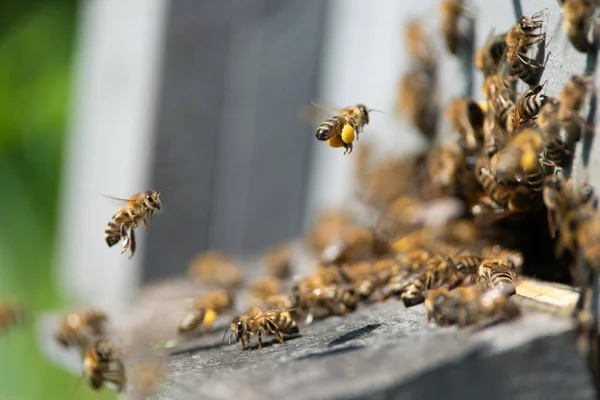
(248, 338)
(133, 243)
(279, 337)
(242, 342)
(145, 222)
(260, 331)
(125, 238)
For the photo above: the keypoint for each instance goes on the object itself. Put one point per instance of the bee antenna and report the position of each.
(225, 333)
(77, 383)
(375, 110)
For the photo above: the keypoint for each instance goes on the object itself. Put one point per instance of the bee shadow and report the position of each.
(355, 334)
(331, 352)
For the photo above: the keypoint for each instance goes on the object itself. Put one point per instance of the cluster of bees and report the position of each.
(509, 163)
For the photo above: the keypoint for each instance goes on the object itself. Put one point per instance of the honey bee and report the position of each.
(533, 171)
(495, 136)
(489, 57)
(335, 299)
(352, 244)
(264, 287)
(102, 364)
(417, 101)
(215, 268)
(140, 207)
(80, 328)
(330, 223)
(467, 117)
(418, 44)
(497, 273)
(206, 309)
(519, 39)
(442, 272)
(451, 11)
(278, 261)
(528, 107)
(466, 264)
(498, 91)
(279, 301)
(341, 130)
(513, 258)
(275, 321)
(369, 277)
(571, 100)
(470, 305)
(526, 144)
(499, 198)
(577, 23)
(10, 316)
(556, 154)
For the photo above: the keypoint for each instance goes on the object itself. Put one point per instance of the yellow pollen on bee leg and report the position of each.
(335, 141)
(209, 317)
(348, 134)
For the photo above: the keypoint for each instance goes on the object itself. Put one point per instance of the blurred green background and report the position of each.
(36, 67)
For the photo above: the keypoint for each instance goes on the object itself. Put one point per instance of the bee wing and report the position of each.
(313, 115)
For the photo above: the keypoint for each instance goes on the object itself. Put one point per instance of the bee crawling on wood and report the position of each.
(102, 365)
(469, 305)
(206, 309)
(122, 225)
(80, 328)
(276, 322)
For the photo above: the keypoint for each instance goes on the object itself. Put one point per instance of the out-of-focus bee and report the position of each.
(275, 321)
(556, 154)
(206, 309)
(495, 136)
(379, 187)
(352, 244)
(437, 274)
(489, 57)
(556, 201)
(512, 257)
(497, 273)
(329, 224)
(341, 130)
(497, 90)
(215, 268)
(528, 106)
(533, 172)
(102, 364)
(470, 305)
(507, 162)
(406, 212)
(262, 288)
(80, 328)
(10, 315)
(571, 100)
(279, 301)
(335, 299)
(467, 117)
(140, 207)
(419, 45)
(369, 277)
(499, 198)
(452, 11)
(577, 23)
(519, 39)
(278, 261)
(417, 101)
(144, 378)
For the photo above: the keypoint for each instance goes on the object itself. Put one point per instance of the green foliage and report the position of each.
(36, 44)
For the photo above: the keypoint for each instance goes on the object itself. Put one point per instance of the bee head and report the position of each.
(104, 349)
(237, 328)
(153, 199)
(527, 25)
(364, 113)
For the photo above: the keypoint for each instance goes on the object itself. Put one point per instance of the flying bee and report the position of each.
(506, 163)
(102, 364)
(264, 287)
(80, 328)
(10, 316)
(278, 261)
(452, 11)
(571, 100)
(206, 309)
(497, 273)
(216, 268)
(528, 106)
(275, 321)
(470, 305)
(519, 39)
(347, 126)
(577, 23)
(467, 117)
(122, 225)
(489, 57)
